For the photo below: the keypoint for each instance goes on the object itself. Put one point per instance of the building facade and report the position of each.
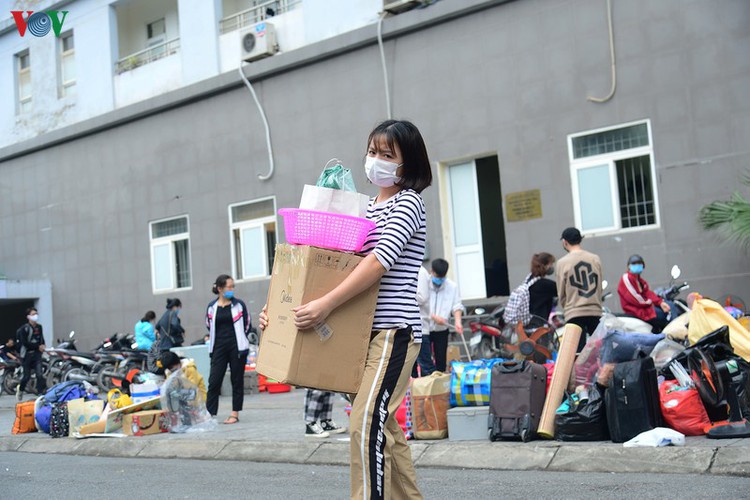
(131, 156)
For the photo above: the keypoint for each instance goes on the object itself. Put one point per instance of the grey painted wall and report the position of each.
(510, 80)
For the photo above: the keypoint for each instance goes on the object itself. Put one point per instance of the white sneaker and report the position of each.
(331, 427)
(314, 430)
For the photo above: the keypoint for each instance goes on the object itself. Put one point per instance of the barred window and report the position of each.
(170, 255)
(613, 179)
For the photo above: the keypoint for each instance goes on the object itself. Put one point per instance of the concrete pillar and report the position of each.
(96, 53)
(199, 38)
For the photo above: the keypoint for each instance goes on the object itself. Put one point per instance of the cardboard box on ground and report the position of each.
(332, 356)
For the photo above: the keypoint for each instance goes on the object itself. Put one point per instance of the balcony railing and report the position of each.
(256, 14)
(148, 55)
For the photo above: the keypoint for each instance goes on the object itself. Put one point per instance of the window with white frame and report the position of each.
(252, 228)
(67, 64)
(23, 73)
(170, 254)
(613, 178)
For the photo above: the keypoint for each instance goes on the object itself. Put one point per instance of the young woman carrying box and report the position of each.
(396, 162)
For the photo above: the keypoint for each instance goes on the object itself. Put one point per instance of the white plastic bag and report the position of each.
(186, 405)
(660, 436)
(664, 351)
(337, 201)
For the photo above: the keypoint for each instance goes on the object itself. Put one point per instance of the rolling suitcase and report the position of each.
(632, 400)
(517, 393)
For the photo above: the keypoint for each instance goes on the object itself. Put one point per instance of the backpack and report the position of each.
(59, 425)
(517, 308)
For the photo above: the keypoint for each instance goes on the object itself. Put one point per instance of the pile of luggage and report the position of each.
(624, 387)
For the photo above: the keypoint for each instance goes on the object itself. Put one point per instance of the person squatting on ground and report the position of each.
(579, 285)
(445, 301)
(31, 341)
(319, 414)
(145, 334)
(637, 299)
(396, 162)
(228, 322)
(169, 326)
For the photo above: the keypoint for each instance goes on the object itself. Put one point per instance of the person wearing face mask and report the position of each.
(169, 328)
(445, 301)
(228, 323)
(637, 299)
(579, 285)
(31, 340)
(543, 292)
(145, 334)
(398, 164)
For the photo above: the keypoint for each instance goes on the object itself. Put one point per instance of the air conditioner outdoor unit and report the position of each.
(258, 41)
(399, 6)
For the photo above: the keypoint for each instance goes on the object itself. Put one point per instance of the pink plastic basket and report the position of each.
(325, 230)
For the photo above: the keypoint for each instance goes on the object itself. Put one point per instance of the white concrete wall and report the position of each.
(199, 39)
(93, 28)
(327, 18)
(148, 80)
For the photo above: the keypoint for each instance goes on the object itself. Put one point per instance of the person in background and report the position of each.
(424, 359)
(579, 285)
(319, 414)
(398, 164)
(8, 350)
(169, 327)
(31, 339)
(445, 301)
(145, 334)
(543, 293)
(228, 322)
(637, 299)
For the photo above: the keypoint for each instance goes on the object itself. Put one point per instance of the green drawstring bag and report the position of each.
(335, 176)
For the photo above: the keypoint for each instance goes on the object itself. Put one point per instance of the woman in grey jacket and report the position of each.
(228, 322)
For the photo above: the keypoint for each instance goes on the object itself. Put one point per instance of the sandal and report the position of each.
(231, 419)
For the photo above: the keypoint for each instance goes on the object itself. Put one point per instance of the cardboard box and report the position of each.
(93, 428)
(114, 420)
(332, 356)
(142, 423)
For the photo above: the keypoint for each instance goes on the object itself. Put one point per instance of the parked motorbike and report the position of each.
(670, 293)
(493, 338)
(12, 372)
(59, 359)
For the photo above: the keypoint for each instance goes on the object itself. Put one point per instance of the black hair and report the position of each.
(220, 282)
(173, 303)
(169, 359)
(440, 267)
(28, 311)
(416, 171)
(148, 316)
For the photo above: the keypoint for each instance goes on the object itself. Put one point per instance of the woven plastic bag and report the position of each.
(470, 382)
(335, 176)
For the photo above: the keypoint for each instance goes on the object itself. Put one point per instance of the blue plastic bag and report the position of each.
(470, 382)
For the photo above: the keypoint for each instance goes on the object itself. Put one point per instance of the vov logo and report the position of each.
(39, 23)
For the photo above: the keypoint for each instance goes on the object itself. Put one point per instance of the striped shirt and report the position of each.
(398, 242)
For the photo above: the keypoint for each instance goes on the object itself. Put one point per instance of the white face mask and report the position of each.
(380, 172)
(33, 317)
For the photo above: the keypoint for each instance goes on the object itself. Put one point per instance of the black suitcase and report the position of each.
(517, 392)
(632, 400)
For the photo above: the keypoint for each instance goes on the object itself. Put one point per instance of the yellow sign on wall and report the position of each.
(524, 205)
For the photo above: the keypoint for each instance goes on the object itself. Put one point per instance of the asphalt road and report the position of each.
(24, 475)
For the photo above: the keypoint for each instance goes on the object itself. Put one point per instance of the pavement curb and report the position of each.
(541, 456)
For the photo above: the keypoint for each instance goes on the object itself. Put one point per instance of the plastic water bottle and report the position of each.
(252, 356)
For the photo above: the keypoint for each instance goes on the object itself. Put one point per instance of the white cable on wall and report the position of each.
(612, 57)
(385, 68)
(265, 123)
